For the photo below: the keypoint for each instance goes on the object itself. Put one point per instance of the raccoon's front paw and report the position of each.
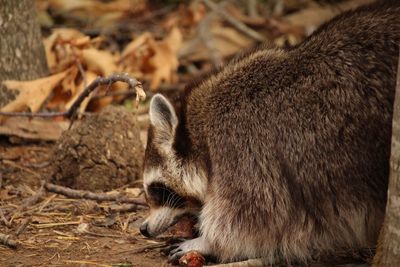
(199, 244)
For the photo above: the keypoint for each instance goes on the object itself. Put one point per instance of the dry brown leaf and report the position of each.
(135, 44)
(33, 128)
(97, 9)
(312, 17)
(157, 60)
(64, 34)
(99, 61)
(107, 19)
(227, 42)
(174, 40)
(186, 16)
(90, 77)
(68, 83)
(165, 60)
(69, 5)
(121, 6)
(32, 94)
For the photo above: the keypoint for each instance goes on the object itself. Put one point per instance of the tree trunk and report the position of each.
(388, 253)
(22, 55)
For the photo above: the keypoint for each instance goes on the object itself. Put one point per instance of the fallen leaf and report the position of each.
(165, 60)
(312, 17)
(99, 61)
(134, 45)
(69, 5)
(65, 35)
(227, 42)
(32, 94)
(33, 128)
(68, 83)
(90, 77)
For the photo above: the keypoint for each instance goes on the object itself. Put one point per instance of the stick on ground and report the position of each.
(30, 201)
(23, 226)
(82, 194)
(7, 241)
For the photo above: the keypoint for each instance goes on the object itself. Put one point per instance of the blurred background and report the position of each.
(164, 44)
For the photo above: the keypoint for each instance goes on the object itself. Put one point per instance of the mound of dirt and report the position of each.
(102, 152)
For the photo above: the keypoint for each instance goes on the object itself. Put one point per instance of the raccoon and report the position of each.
(283, 153)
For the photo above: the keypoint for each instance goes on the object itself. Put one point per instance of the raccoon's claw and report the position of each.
(198, 244)
(175, 255)
(166, 251)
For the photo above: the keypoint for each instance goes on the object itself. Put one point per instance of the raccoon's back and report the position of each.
(310, 124)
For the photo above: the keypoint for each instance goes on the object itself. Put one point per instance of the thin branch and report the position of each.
(83, 194)
(235, 23)
(30, 201)
(34, 198)
(125, 94)
(6, 240)
(4, 219)
(127, 207)
(23, 226)
(71, 112)
(143, 248)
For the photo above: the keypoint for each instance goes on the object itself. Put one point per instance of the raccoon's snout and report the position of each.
(160, 220)
(144, 230)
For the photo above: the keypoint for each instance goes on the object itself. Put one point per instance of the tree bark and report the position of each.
(22, 55)
(388, 253)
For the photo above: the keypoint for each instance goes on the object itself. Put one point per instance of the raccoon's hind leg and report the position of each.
(199, 244)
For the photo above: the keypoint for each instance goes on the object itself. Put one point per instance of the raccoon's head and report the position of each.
(174, 185)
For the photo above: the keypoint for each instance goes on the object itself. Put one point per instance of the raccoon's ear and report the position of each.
(162, 115)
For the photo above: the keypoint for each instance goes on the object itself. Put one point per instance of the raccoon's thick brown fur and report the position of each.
(295, 142)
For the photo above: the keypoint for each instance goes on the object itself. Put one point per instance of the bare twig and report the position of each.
(6, 240)
(144, 248)
(82, 72)
(32, 200)
(15, 165)
(39, 165)
(4, 219)
(101, 235)
(234, 22)
(23, 226)
(123, 93)
(71, 112)
(82, 194)
(124, 208)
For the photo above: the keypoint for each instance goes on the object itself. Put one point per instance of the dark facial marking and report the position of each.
(162, 195)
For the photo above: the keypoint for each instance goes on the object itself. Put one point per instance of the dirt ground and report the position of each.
(62, 231)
